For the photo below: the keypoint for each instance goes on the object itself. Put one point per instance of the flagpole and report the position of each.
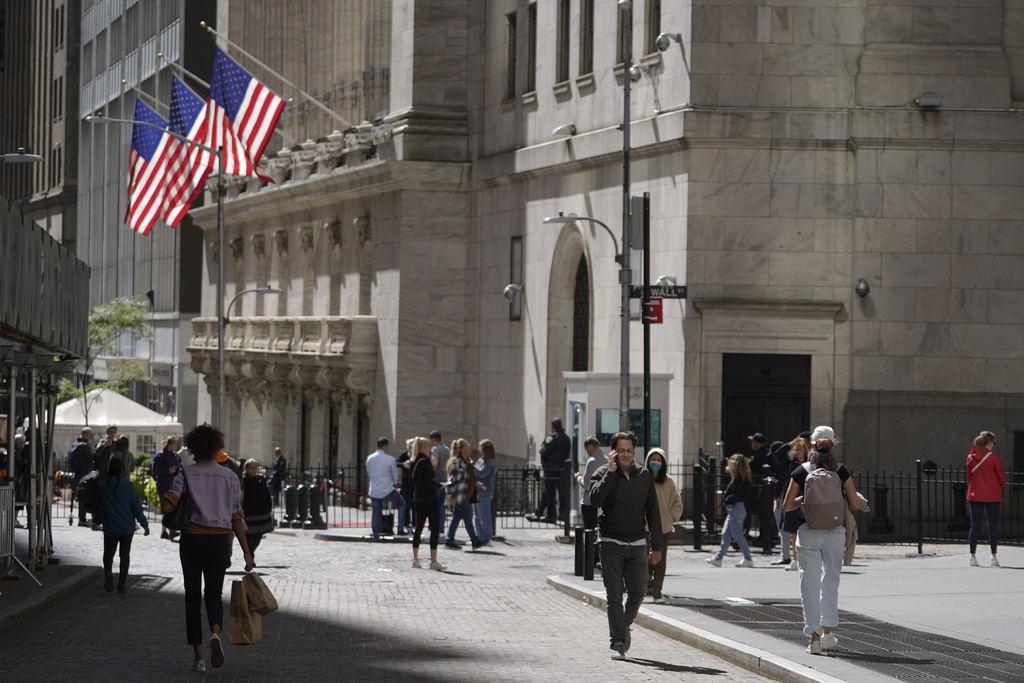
(149, 98)
(182, 70)
(221, 191)
(327, 110)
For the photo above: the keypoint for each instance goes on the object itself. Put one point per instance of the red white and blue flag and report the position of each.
(147, 170)
(242, 115)
(188, 166)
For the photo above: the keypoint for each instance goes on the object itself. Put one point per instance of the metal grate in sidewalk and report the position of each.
(891, 650)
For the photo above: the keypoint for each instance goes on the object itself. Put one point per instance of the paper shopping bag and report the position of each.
(245, 626)
(261, 600)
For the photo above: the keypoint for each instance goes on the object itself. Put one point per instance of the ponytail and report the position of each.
(986, 437)
(822, 455)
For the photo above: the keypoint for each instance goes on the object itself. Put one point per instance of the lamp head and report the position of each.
(565, 129)
(560, 219)
(625, 5)
(511, 291)
(862, 288)
(635, 73)
(929, 100)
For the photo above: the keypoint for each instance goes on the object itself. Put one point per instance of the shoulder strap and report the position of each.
(981, 463)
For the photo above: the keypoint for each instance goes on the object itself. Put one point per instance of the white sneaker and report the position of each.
(828, 641)
(794, 566)
(714, 561)
(745, 563)
(814, 648)
(438, 567)
(993, 562)
(974, 561)
(416, 564)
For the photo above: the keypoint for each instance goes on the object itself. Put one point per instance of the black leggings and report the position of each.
(110, 544)
(423, 513)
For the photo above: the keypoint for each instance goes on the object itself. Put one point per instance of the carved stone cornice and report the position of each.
(259, 246)
(343, 399)
(215, 251)
(281, 238)
(333, 229)
(306, 235)
(315, 395)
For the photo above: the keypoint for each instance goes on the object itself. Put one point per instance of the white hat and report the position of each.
(823, 432)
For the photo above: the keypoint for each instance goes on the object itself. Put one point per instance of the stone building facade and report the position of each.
(790, 151)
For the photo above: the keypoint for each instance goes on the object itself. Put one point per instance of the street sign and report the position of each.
(663, 292)
(655, 310)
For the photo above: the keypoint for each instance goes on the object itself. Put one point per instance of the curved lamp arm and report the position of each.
(258, 290)
(572, 219)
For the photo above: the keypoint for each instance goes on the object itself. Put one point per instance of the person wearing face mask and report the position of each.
(670, 505)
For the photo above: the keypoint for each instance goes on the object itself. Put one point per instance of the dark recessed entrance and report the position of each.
(764, 392)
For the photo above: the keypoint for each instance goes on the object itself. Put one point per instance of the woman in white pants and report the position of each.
(821, 550)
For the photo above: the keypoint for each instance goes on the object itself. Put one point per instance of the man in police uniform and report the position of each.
(555, 458)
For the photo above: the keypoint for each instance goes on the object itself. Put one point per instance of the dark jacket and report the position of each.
(424, 486)
(81, 458)
(629, 506)
(736, 492)
(557, 449)
(162, 464)
(257, 504)
(121, 507)
(762, 456)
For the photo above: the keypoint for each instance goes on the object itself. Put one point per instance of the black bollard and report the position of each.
(959, 521)
(767, 504)
(290, 505)
(880, 504)
(581, 550)
(315, 506)
(302, 514)
(589, 546)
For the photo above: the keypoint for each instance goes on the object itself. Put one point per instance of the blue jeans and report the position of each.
(204, 559)
(991, 511)
(733, 529)
(821, 562)
(462, 512)
(623, 566)
(484, 527)
(377, 504)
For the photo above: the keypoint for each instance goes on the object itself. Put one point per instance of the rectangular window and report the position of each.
(510, 76)
(620, 39)
(562, 56)
(652, 26)
(515, 276)
(58, 28)
(57, 99)
(608, 425)
(531, 47)
(586, 37)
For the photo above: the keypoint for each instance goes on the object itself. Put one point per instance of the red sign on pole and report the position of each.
(655, 310)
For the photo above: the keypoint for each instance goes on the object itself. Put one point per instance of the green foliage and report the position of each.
(146, 488)
(143, 461)
(107, 324)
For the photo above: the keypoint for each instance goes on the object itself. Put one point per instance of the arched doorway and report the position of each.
(569, 316)
(581, 318)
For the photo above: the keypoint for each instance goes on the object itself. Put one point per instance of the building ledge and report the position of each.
(821, 308)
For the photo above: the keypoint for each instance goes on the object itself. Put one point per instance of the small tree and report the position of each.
(107, 323)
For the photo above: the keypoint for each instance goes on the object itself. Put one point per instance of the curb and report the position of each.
(750, 658)
(47, 597)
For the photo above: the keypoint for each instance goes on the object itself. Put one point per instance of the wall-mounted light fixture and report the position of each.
(929, 100)
(511, 290)
(862, 288)
(665, 280)
(565, 129)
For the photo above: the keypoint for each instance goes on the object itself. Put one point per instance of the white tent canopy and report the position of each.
(145, 429)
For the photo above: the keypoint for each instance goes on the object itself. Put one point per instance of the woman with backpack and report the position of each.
(121, 507)
(985, 481)
(733, 499)
(819, 487)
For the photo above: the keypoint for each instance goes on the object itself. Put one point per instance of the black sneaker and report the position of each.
(781, 561)
(121, 588)
(452, 545)
(533, 517)
(478, 544)
(618, 651)
(629, 640)
(165, 535)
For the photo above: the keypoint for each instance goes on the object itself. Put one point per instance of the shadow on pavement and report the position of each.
(676, 668)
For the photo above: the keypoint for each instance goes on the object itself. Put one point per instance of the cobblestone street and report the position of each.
(350, 612)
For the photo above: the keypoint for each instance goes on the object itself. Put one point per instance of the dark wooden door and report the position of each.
(768, 393)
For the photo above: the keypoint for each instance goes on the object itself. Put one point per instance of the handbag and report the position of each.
(181, 518)
(261, 600)
(245, 626)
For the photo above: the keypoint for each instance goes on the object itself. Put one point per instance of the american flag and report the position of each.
(188, 166)
(147, 170)
(241, 105)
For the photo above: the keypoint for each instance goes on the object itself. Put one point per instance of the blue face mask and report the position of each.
(654, 466)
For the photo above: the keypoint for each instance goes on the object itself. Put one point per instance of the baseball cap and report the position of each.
(823, 431)
(758, 436)
(86, 430)
(221, 456)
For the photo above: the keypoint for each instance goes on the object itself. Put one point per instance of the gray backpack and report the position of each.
(823, 506)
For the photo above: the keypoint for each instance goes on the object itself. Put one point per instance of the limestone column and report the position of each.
(283, 281)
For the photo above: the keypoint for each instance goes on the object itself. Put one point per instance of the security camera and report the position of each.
(625, 4)
(635, 74)
(511, 291)
(664, 41)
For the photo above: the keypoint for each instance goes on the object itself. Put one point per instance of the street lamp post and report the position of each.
(221, 191)
(625, 274)
(19, 157)
(258, 290)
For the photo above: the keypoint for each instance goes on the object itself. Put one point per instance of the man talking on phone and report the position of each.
(625, 493)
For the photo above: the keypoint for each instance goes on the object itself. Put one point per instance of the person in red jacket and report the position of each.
(985, 480)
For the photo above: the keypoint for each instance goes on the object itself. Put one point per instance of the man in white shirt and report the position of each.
(384, 484)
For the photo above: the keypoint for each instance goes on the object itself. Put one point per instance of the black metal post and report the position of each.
(589, 537)
(959, 521)
(881, 523)
(646, 315)
(767, 503)
(581, 550)
(920, 511)
(698, 505)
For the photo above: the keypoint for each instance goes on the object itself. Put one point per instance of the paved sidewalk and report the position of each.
(933, 611)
